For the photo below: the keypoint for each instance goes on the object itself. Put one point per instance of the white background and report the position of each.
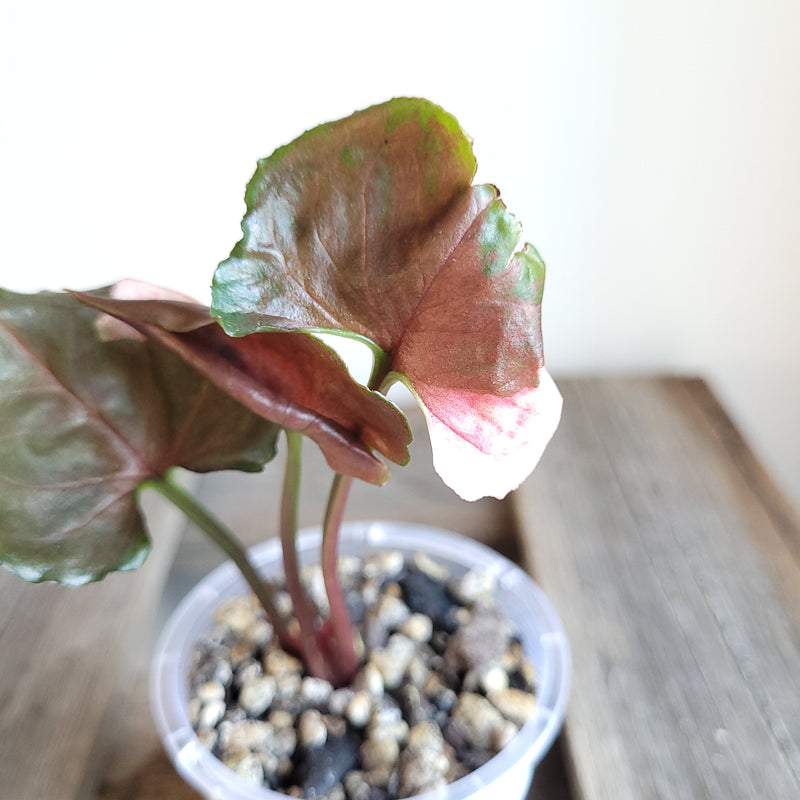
(651, 149)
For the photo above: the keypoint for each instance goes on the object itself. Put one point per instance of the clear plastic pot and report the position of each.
(507, 775)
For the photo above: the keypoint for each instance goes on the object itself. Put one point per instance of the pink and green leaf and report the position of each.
(371, 226)
(336, 218)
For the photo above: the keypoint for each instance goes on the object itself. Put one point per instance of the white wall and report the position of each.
(651, 149)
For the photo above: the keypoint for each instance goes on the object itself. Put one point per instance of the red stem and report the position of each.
(304, 611)
(343, 652)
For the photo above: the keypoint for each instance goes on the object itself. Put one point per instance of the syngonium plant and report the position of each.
(368, 227)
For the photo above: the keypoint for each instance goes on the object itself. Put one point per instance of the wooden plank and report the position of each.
(707, 410)
(680, 593)
(60, 650)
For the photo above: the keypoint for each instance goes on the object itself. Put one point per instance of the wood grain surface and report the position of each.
(65, 653)
(673, 562)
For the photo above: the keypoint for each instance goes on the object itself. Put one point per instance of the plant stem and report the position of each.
(304, 612)
(340, 627)
(228, 543)
(381, 367)
(339, 619)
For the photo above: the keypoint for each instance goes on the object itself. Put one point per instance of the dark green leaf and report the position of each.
(83, 423)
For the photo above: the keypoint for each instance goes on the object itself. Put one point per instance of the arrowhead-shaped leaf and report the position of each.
(83, 423)
(371, 225)
(288, 378)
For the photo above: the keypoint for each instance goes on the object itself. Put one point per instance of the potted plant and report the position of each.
(368, 227)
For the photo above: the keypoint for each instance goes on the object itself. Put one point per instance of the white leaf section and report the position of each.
(486, 446)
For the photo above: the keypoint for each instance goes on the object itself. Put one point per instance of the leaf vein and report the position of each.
(90, 410)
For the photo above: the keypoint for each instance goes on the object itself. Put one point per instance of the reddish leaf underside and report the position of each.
(84, 423)
(288, 378)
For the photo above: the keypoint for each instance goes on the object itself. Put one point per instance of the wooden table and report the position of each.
(672, 558)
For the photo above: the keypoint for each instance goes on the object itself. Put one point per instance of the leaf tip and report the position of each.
(490, 445)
